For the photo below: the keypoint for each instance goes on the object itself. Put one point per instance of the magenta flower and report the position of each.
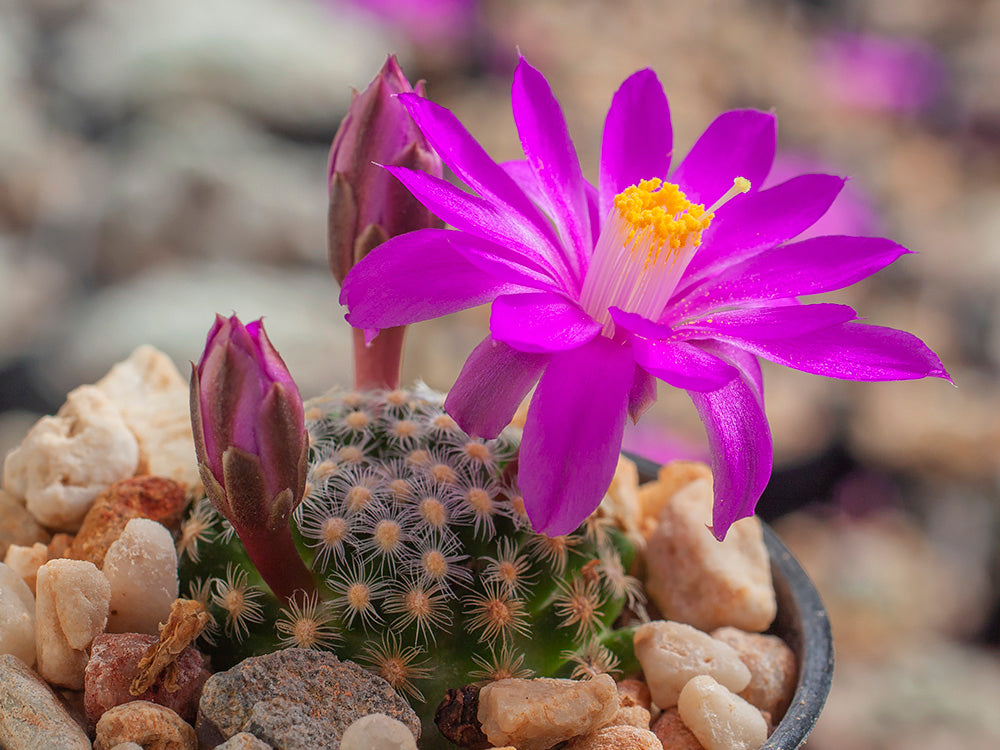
(252, 445)
(597, 292)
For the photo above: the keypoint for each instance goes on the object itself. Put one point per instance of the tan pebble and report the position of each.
(537, 714)
(17, 616)
(671, 653)
(66, 460)
(146, 724)
(378, 732)
(243, 741)
(156, 498)
(673, 732)
(692, 577)
(634, 693)
(59, 545)
(17, 525)
(773, 669)
(71, 609)
(128, 746)
(616, 738)
(622, 500)
(153, 399)
(632, 716)
(719, 718)
(654, 496)
(25, 561)
(141, 568)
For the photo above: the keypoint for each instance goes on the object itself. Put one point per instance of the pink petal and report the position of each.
(552, 156)
(754, 222)
(494, 381)
(467, 159)
(541, 322)
(850, 351)
(522, 173)
(813, 266)
(638, 138)
(767, 323)
(500, 261)
(740, 441)
(573, 434)
(682, 365)
(643, 394)
(480, 217)
(416, 276)
(740, 143)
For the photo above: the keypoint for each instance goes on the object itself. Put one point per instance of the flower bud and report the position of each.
(367, 204)
(252, 445)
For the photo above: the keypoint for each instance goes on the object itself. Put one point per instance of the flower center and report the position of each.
(650, 236)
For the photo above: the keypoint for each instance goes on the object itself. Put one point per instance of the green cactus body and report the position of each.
(428, 572)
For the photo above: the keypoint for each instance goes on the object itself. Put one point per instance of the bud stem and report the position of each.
(277, 560)
(377, 366)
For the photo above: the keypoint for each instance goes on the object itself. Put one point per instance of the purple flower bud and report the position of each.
(367, 204)
(252, 445)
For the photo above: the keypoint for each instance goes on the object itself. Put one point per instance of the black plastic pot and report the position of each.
(803, 624)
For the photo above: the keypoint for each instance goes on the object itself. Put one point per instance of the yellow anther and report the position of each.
(663, 211)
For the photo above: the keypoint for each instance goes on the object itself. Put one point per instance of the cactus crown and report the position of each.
(428, 572)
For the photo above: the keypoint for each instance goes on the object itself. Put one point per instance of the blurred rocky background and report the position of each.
(163, 160)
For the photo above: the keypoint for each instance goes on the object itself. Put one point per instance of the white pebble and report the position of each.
(25, 561)
(65, 461)
(154, 401)
(141, 567)
(671, 653)
(719, 718)
(71, 608)
(17, 616)
(378, 732)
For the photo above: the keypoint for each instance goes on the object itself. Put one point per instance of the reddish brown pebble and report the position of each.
(114, 664)
(673, 733)
(156, 498)
(772, 666)
(457, 718)
(634, 693)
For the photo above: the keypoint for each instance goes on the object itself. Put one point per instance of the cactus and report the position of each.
(427, 570)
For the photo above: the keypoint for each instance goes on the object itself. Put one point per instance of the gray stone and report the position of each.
(31, 716)
(295, 698)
